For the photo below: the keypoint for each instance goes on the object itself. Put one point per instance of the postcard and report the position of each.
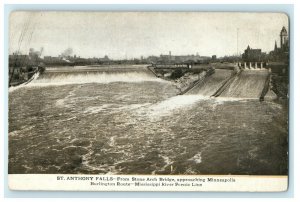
(148, 101)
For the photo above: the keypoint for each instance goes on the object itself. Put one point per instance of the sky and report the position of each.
(121, 35)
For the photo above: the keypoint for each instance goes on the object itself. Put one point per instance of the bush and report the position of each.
(196, 71)
(177, 73)
(16, 76)
(41, 69)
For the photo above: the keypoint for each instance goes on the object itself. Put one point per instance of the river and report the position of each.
(123, 120)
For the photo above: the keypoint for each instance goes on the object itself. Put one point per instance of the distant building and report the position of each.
(105, 59)
(16, 60)
(284, 40)
(173, 59)
(50, 59)
(152, 59)
(252, 55)
(166, 58)
(281, 53)
(214, 57)
(17, 63)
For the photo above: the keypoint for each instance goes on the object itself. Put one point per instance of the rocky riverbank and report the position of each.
(186, 81)
(182, 78)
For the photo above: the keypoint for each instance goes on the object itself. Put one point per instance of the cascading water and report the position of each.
(212, 83)
(100, 75)
(249, 84)
(130, 122)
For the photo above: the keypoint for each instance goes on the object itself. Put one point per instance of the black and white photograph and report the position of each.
(148, 93)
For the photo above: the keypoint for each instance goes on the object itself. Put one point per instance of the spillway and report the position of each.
(212, 83)
(81, 75)
(249, 84)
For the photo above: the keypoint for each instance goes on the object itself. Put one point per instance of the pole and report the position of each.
(237, 41)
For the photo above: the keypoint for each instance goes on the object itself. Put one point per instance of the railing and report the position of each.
(171, 66)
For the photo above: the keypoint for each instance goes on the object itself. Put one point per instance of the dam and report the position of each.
(125, 120)
(227, 83)
(63, 76)
(249, 84)
(212, 83)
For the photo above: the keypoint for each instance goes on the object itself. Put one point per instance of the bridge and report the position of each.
(252, 65)
(172, 66)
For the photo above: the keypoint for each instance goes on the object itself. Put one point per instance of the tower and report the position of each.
(283, 37)
(275, 47)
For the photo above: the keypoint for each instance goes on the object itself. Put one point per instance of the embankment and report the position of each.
(211, 83)
(200, 81)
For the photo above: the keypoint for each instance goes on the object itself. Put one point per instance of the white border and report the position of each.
(296, 74)
(216, 183)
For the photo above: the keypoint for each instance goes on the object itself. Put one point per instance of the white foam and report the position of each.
(196, 158)
(171, 104)
(134, 106)
(105, 78)
(97, 109)
(221, 100)
(167, 162)
(60, 102)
